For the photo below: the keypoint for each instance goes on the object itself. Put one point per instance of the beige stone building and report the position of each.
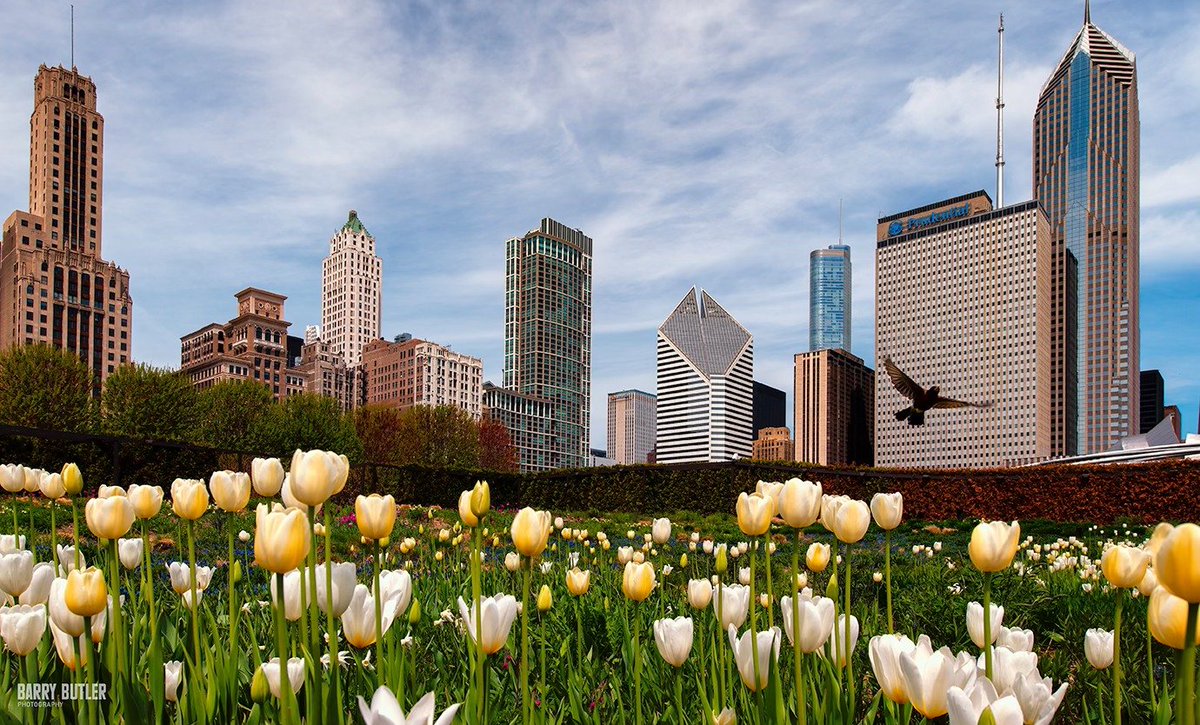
(631, 426)
(963, 301)
(326, 374)
(408, 372)
(834, 399)
(251, 346)
(55, 287)
(773, 444)
(351, 292)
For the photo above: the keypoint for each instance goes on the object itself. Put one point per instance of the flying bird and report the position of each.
(922, 399)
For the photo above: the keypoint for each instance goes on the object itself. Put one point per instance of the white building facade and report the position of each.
(631, 426)
(351, 291)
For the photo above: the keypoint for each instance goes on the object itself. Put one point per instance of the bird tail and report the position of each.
(903, 414)
(916, 418)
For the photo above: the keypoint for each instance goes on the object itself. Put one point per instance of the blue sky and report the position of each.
(697, 143)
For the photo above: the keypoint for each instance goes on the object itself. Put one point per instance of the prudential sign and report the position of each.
(912, 224)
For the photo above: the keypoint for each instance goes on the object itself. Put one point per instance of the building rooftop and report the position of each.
(354, 224)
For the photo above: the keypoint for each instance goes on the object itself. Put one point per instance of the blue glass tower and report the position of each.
(829, 298)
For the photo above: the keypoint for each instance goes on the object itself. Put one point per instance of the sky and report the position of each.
(700, 144)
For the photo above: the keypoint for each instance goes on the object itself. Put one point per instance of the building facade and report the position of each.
(408, 372)
(834, 399)
(829, 287)
(325, 373)
(770, 407)
(55, 287)
(532, 427)
(1086, 139)
(631, 426)
(1150, 399)
(963, 298)
(705, 384)
(251, 346)
(351, 291)
(773, 444)
(548, 331)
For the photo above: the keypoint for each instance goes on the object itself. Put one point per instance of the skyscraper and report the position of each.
(55, 288)
(829, 286)
(705, 384)
(770, 407)
(351, 291)
(834, 409)
(631, 420)
(409, 372)
(548, 332)
(1086, 136)
(1150, 397)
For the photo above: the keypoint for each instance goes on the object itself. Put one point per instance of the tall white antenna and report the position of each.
(839, 221)
(1000, 118)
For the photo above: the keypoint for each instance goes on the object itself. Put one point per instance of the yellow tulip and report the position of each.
(72, 479)
(578, 582)
(481, 499)
(530, 532)
(189, 498)
(464, 510)
(544, 600)
(267, 476)
(230, 490)
(109, 491)
(1124, 566)
(281, 539)
(888, 509)
(376, 515)
(313, 477)
(1160, 534)
(1148, 583)
(993, 545)
(147, 500)
(1176, 563)
(754, 512)
(800, 502)
(817, 557)
(638, 580)
(86, 594)
(851, 522)
(1167, 618)
(109, 518)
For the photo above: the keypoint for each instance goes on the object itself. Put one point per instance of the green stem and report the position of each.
(313, 698)
(579, 634)
(770, 586)
(53, 536)
(198, 673)
(233, 612)
(526, 703)
(378, 619)
(720, 650)
(477, 595)
(797, 655)
(117, 624)
(637, 664)
(833, 560)
(1150, 668)
(75, 530)
(887, 573)
(542, 635)
(987, 624)
(679, 694)
(754, 622)
(846, 645)
(91, 664)
(330, 620)
(285, 684)
(1117, 660)
(1186, 707)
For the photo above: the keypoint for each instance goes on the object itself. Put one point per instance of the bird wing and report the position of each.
(902, 382)
(952, 403)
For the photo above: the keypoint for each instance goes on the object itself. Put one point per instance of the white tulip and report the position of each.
(22, 627)
(732, 604)
(512, 561)
(496, 617)
(767, 645)
(1017, 640)
(975, 622)
(181, 576)
(967, 706)
(929, 674)
(1007, 666)
(295, 674)
(835, 648)
(38, 591)
(661, 531)
(172, 676)
(267, 476)
(816, 620)
(386, 710)
(1037, 697)
(395, 589)
(1098, 646)
(16, 572)
(885, 651)
(343, 577)
(130, 552)
(700, 593)
(674, 639)
(10, 543)
(291, 594)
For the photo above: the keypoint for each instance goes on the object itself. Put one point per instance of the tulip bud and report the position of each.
(683, 561)
(260, 689)
(544, 599)
(72, 479)
(877, 577)
(414, 613)
(722, 560)
(831, 589)
(481, 499)
(235, 572)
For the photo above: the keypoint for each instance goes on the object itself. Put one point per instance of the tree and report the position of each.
(378, 428)
(496, 452)
(147, 402)
(45, 387)
(442, 436)
(234, 415)
(308, 421)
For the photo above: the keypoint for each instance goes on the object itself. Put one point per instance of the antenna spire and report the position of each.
(839, 221)
(1087, 11)
(72, 37)
(1000, 117)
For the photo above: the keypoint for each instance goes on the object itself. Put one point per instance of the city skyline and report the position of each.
(265, 194)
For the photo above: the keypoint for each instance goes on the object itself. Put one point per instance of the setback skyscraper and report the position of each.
(351, 291)
(1086, 137)
(705, 384)
(829, 286)
(55, 288)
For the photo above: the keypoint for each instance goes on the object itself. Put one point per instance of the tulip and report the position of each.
(799, 502)
(1124, 566)
(11, 542)
(313, 477)
(1148, 583)
(638, 581)
(816, 621)
(765, 646)
(887, 510)
(744, 576)
(146, 500)
(929, 674)
(12, 478)
(67, 558)
(72, 479)
(512, 561)
(341, 468)
(578, 582)
(266, 474)
(975, 623)
(1157, 537)
(189, 498)
(1167, 619)
(885, 651)
(734, 605)
(835, 649)
(16, 572)
(131, 552)
(481, 499)
(771, 490)
(38, 591)
(22, 628)
(386, 710)
(464, 510)
(291, 595)
(295, 674)
(699, 593)
(86, 593)
(358, 620)
(281, 539)
(544, 599)
(1037, 697)
(109, 491)
(530, 532)
(172, 676)
(181, 576)
(230, 490)
(1175, 562)
(1017, 640)
(342, 576)
(190, 601)
(52, 486)
(1010, 665)
(67, 646)
(674, 639)
(817, 557)
(109, 518)
(661, 531)
(851, 521)
(375, 515)
(754, 512)
(1098, 646)
(498, 613)
(993, 545)
(969, 708)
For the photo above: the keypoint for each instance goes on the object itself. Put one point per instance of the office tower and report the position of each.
(1086, 137)
(531, 424)
(255, 345)
(1150, 399)
(351, 291)
(55, 287)
(829, 286)
(773, 444)
(324, 372)
(548, 334)
(770, 407)
(834, 399)
(411, 372)
(705, 384)
(631, 426)
(962, 301)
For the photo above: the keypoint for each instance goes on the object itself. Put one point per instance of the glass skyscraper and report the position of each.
(1086, 137)
(829, 298)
